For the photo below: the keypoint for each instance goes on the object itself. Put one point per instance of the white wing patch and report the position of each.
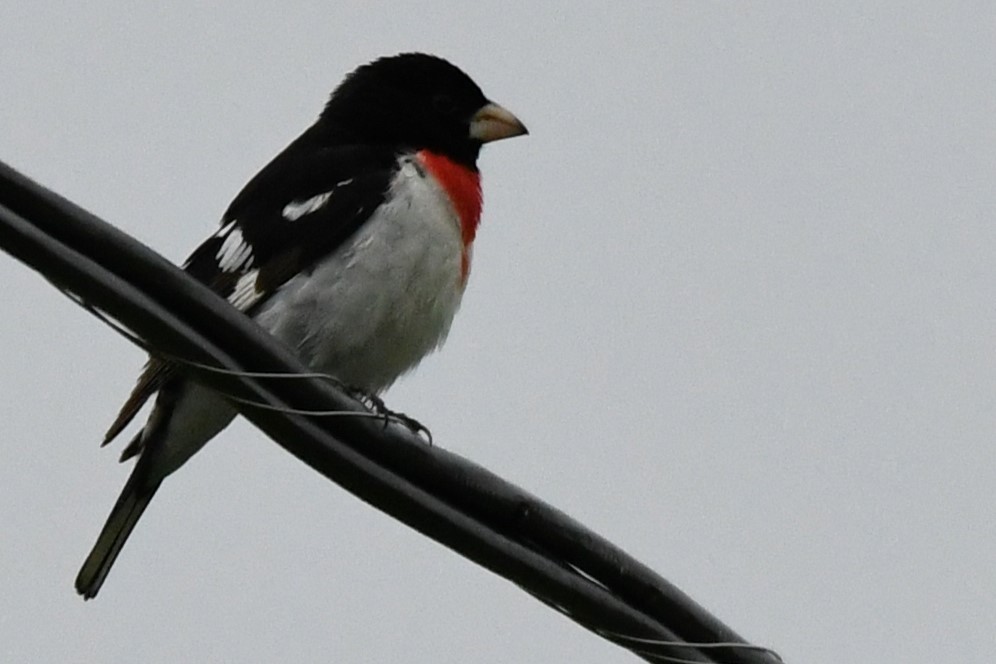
(235, 253)
(299, 208)
(244, 295)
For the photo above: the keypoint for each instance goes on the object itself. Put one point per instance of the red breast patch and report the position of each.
(463, 186)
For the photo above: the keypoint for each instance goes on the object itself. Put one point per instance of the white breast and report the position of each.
(370, 311)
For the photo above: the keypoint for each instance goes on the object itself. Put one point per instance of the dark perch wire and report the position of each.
(440, 494)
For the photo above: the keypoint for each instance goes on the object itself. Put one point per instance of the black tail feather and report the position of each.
(126, 513)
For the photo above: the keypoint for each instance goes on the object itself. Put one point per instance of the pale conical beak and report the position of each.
(492, 123)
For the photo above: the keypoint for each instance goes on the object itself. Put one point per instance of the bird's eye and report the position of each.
(444, 104)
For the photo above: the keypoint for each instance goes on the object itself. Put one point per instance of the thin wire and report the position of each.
(663, 658)
(618, 638)
(615, 636)
(314, 413)
(138, 341)
(115, 325)
(697, 646)
(630, 642)
(621, 639)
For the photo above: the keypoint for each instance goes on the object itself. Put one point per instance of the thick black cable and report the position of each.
(314, 446)
(165, 301)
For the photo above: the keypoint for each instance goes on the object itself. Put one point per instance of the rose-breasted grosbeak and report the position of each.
(352, 246)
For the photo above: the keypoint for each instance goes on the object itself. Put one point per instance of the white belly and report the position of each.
(369, 312)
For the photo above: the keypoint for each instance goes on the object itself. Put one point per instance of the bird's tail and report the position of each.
(126, 513)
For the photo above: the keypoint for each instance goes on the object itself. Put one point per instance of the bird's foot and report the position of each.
(376, 405)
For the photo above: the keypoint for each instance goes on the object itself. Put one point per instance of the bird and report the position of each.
(352, 246)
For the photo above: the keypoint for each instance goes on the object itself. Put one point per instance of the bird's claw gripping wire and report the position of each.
(376, 405)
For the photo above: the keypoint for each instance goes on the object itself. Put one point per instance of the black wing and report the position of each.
(301, 207)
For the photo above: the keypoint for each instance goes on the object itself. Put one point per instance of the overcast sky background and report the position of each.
(731, 306)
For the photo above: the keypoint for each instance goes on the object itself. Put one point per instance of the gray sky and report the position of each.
(732, 307)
